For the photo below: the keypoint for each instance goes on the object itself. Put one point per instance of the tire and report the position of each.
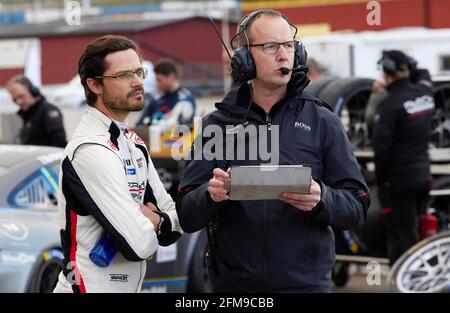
(170, 181)
(348, 97)
(372, 234)
(46, 272)
(316, 86)
(199, 276)
(430, 257)
(340, 91)
(340, 274)
(440, 134)
(370, 238)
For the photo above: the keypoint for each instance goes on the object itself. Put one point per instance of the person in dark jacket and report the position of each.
(417, 75)
(401, 138)
(285, 244)
(42, 121)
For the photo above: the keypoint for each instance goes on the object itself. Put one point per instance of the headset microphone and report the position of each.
(284, 70)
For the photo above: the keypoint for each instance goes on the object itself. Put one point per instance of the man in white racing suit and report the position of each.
(108, 182)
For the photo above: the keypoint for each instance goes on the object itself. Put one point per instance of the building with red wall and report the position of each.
(191, 42)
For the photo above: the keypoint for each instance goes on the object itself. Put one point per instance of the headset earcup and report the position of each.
(242, 65)
(300, 55)
(412, 63)
(35, 92)
(388, 65)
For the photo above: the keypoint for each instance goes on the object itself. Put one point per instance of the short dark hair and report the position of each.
(166, 67)
(92, 61)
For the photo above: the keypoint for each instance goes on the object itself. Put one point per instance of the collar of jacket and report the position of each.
(398, 84)
(236, 101)
(171, 93)
(113, 129)
(26, 115)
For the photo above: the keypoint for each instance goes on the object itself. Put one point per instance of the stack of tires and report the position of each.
(348, 98)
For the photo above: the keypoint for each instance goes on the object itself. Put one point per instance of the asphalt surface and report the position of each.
(360, 282)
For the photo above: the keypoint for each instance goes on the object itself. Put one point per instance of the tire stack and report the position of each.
(348, 98)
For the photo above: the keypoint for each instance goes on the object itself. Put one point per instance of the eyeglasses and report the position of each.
(126, 75)
(272, 47)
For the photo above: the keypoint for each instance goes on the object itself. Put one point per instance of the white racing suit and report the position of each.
(105, 174)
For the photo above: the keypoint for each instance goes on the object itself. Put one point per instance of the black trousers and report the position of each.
(402, 203)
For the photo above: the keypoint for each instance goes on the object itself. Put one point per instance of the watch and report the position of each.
(161, 221)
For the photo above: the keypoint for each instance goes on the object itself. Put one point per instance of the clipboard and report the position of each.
(267, 182)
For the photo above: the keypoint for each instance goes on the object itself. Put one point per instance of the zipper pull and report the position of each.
(268, 121)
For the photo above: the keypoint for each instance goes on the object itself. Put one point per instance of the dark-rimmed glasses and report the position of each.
(272, 47)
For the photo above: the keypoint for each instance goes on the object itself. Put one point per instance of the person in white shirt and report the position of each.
(108, 181)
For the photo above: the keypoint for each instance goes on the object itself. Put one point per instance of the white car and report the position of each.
(66, 95)
(31, 257)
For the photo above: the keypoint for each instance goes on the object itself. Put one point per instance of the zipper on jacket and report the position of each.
(269, 135)
(264, 248)
(268, 122)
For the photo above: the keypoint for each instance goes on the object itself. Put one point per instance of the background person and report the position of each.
(401, 136)
(42, 121)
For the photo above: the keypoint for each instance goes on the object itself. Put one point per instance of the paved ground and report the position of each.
(358, 282)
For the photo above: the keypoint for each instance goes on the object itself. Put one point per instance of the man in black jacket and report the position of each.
(285, 244)
(42, 121)
(401, 138)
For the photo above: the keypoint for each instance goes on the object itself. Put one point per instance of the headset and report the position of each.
(412, 63)
(24, 81)
(242, 65)
(390, 66)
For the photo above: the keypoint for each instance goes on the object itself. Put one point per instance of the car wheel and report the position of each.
(45, 275)
(166, 178)
(440, 134)
(340, 274)
(372, 234)
(199, 276)
(423, 268)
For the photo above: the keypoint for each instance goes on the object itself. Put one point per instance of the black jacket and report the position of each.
(265, 246)
(42, 125)
(402, 133)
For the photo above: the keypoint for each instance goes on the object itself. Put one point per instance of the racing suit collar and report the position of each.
(113, 129)
(123, 126)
